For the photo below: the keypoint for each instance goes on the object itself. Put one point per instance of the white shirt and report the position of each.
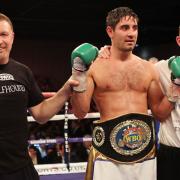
(169, 131)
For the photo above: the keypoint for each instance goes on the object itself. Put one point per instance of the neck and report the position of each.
(4, 60)
(120, 55)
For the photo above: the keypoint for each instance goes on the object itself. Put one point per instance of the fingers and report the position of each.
(104, 52)
(48, 94)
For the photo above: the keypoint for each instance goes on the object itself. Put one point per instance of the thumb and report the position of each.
(73, 82)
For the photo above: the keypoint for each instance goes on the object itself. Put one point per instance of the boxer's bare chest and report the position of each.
(119, 77)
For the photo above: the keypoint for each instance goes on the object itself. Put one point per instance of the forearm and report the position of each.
(51, 106)
(80, 104)
(163, 110)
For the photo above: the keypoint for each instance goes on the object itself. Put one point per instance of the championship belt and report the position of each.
(127, 139)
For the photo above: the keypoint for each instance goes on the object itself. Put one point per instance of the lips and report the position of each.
(129, 41)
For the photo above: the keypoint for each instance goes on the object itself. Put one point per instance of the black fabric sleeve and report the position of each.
(35, 95)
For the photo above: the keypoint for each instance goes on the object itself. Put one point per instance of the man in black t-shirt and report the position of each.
(18, 93)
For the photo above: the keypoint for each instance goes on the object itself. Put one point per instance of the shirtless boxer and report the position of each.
(123, 89)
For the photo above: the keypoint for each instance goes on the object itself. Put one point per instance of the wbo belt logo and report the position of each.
(130, 137)
(133, 137)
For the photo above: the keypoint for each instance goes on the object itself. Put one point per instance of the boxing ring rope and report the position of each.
(60, 168)
(70, 117)
(58, 140)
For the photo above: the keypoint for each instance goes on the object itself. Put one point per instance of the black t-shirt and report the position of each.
(18, 91)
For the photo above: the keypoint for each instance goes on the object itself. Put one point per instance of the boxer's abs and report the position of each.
(112, 105)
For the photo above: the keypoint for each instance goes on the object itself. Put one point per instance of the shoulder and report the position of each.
(148, 67)
(138, 59)
(18, 64)
(145, 63)
(99, 60)
(98, 63)
(20, 68)
(141, 60)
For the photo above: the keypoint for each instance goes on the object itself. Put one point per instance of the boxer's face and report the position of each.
(125, 33)
(6, 41)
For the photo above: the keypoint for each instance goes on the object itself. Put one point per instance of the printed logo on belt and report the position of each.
(98, 136)
(130, 137)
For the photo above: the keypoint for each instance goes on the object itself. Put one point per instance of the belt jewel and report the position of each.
(130, 137)
(98, 136)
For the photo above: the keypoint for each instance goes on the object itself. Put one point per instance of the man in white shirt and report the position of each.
(169, 132)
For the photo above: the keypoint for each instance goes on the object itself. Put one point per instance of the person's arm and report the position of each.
(159, 104)
(81, 100)
(49, 107)
(81, 58)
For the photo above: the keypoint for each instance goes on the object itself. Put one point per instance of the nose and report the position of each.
(132, 32)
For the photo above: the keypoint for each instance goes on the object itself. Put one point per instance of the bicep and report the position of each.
(155, 94)
(158, 102)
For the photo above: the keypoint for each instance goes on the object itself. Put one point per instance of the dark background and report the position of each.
(46, 31)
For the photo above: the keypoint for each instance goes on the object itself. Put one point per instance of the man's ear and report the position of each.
(13, 36)
(109, 31)
(178, 40)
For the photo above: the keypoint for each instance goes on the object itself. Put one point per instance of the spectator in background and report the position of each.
(51, 155)
(76, 129)
(73, 153)
(35, 155)
(42, 149)
(87, 143)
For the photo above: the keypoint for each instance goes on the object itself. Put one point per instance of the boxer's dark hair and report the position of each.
(115, 15)
(3, 17)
